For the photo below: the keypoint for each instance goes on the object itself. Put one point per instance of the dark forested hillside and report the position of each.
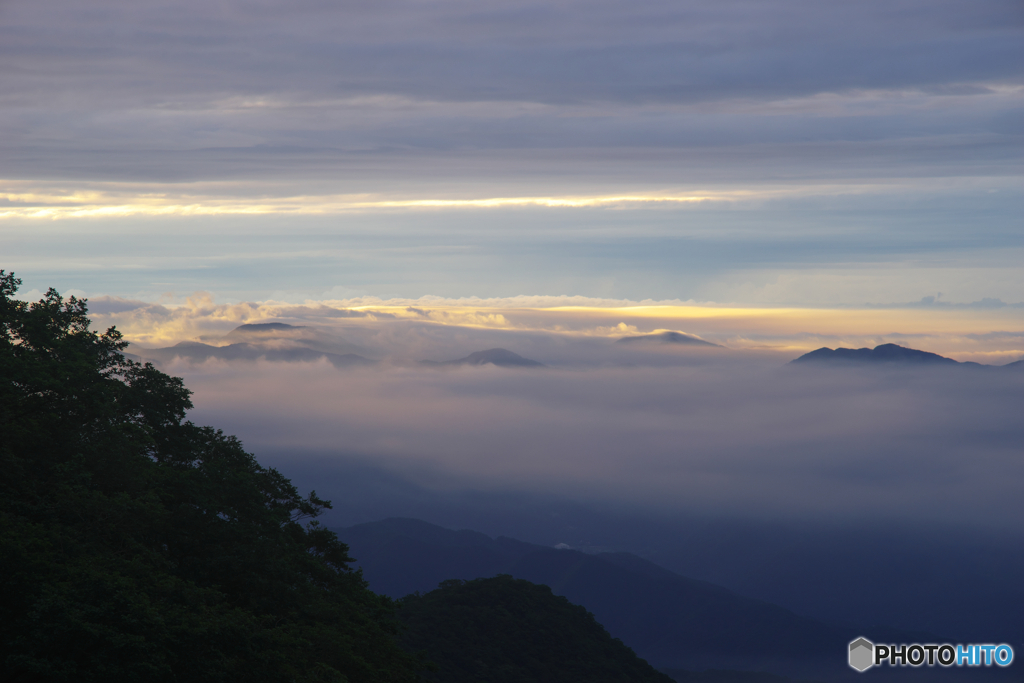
(136, 546)
(505, 630)
(671, 621)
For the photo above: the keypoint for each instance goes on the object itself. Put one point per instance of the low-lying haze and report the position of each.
(729, 437)
(728, 429)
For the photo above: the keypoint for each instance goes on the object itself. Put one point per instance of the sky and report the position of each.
(428, 178)
(784, 153)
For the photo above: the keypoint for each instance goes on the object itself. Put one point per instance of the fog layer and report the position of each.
(729, 436)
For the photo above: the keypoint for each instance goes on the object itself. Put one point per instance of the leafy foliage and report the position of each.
(135, 545)
(506, 630)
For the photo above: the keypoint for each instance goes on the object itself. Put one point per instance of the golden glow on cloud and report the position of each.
(91, 205)
(541, 201)
(984, 335)
(22, 199)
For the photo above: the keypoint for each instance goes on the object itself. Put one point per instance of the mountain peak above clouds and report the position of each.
(316, 338)
(266, 341)
(500, 357)
(249, 329)
(888, 354)
(667, 337)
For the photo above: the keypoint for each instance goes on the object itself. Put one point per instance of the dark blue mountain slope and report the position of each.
(668, 619)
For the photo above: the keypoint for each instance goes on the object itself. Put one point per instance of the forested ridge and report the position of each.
(506, 630)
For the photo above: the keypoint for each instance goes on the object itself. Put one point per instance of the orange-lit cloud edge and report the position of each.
(30, 200)
(26, 199)
(993, 336)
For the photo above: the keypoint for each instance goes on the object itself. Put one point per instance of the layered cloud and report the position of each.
(726, 430)
(788, 152)
(728, 435)
(372, 104)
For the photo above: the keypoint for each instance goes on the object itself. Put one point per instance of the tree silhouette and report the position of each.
(135, 545)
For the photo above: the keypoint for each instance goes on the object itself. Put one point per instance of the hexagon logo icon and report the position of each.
(862, 654)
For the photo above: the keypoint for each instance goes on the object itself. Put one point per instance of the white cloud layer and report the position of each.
(731, 436)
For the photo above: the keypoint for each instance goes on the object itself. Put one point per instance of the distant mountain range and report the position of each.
(500, 357)
(669, 620)
(270, 329)
(277, 334)
(198, 352)
(887, 354)
(667, 337)
(265, 341)
(296, 343)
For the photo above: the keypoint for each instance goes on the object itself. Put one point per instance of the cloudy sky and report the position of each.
(792, 152)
